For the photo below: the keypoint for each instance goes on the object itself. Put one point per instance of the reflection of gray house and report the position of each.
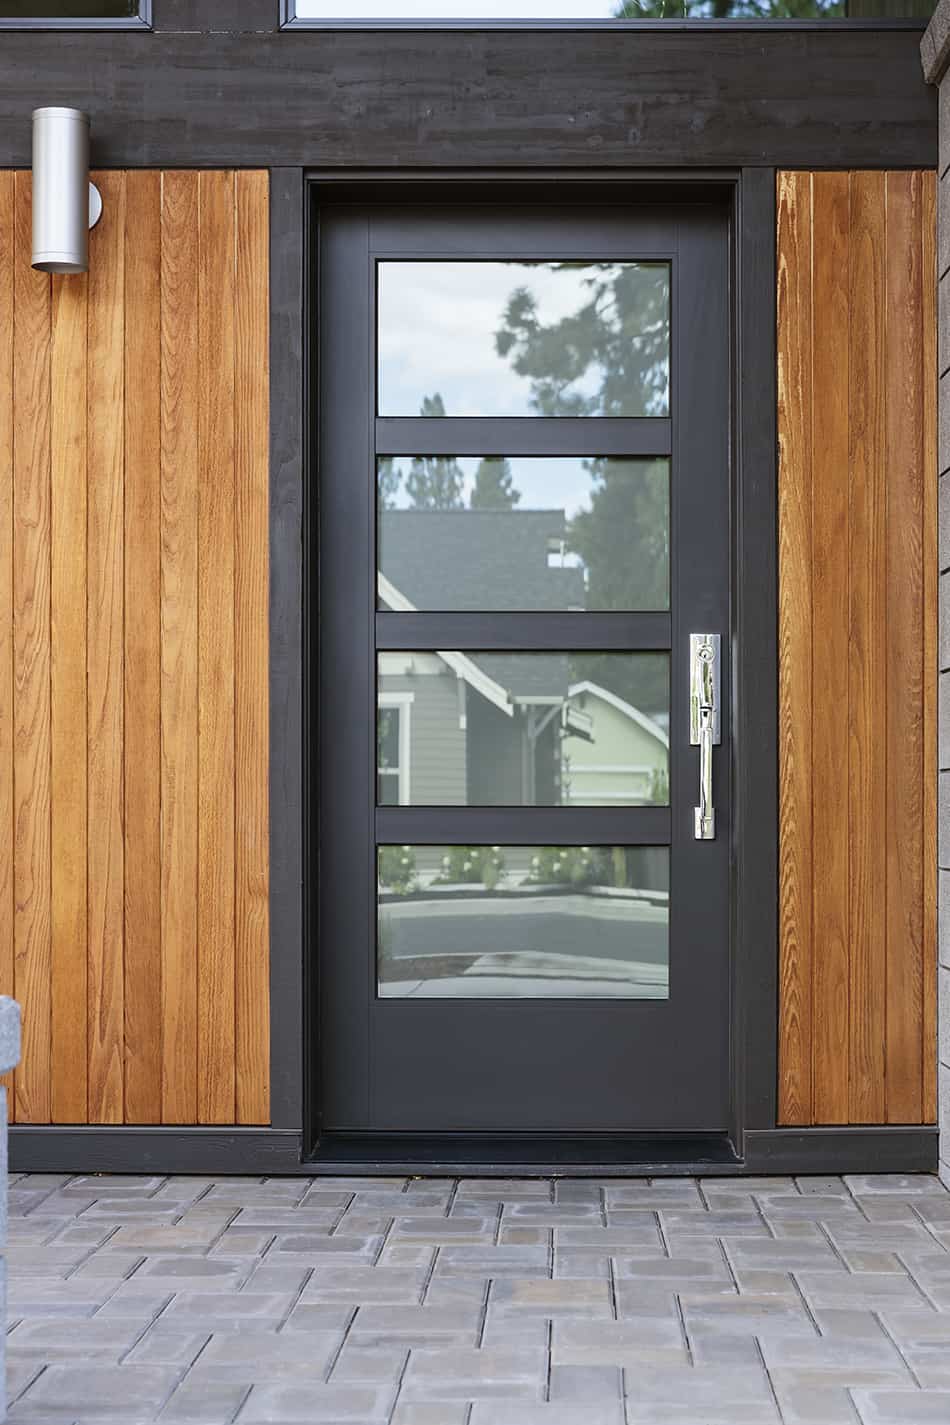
(486, 728)
(489, 559)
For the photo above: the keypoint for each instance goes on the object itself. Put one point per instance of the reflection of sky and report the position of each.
(457, 9)
(556, 483)
(437, 325)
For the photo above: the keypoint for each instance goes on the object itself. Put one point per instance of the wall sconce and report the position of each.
(65, 204)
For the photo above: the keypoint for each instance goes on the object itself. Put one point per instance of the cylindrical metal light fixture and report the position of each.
(64, 208)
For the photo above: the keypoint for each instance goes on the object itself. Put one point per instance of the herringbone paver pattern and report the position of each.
(810, 1301)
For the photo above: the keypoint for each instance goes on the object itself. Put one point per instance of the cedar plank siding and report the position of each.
(134, 655)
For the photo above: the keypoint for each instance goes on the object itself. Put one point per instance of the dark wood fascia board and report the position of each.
(448, 99)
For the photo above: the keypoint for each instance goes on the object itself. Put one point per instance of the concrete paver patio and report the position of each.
(809, 1301)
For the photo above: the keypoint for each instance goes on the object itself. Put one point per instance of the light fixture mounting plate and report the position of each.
(95, 206)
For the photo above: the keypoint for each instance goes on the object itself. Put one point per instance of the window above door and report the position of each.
(75, 14)
(472, 14)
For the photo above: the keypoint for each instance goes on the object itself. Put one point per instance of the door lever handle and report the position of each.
(704, 723)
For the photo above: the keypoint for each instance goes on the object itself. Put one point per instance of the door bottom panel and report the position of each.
(525, 1153)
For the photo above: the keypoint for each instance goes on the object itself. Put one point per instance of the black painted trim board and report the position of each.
(272, 1153)
(754, 971)
(288, 603)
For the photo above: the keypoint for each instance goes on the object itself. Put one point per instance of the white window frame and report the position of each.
(402, 702)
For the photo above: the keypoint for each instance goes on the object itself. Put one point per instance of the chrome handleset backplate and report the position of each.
(705, 728)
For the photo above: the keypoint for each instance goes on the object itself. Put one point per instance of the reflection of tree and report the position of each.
(388, 481)
(493, 488)
(434, 482)
(620, 333)
(732, 9)
(619, 336)
(624, 537)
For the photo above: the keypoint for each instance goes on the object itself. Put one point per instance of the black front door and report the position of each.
(523, 493)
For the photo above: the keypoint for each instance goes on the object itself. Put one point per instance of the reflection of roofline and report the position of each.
(461, 666)
(649, 726)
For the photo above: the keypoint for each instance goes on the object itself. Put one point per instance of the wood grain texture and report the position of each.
(867, 650)
(216, 984)
(251, 652)
(69, 946)
(795, 321)
(7, 218)
(31, 636)
(905, 690)
(179, 607)
(454, 99)
(106, 615)
(857, 539)
(931, 680)
(142, 746)
(830, 601)
(134, 655)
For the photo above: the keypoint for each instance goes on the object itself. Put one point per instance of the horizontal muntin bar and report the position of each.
(561, 632)
(646, 436)
(523, 826)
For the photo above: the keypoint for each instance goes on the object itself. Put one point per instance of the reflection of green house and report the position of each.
(623, 758)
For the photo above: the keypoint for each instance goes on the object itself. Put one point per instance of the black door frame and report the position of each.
(749, 196)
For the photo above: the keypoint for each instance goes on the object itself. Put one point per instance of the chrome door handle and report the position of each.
(704, 723)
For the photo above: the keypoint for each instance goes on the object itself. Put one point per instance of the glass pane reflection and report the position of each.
(593, 10)
(523, 922)
(523, 338)
(523, 729)
(523, 534)
(68, 9)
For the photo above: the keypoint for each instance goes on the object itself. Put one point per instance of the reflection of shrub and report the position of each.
(660, 787)
(581, 866)
(563, 866)
(397, 869)
(472, 865)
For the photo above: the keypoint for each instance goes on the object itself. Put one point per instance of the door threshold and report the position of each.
(526, 1155)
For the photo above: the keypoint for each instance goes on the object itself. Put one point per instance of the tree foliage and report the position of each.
(610, 357)
(731, 9)
(493, 488)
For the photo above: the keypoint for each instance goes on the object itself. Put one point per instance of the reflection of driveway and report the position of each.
(558, 946)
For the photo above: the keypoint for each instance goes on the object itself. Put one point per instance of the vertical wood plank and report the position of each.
(904, 737)
(795, 321)
(831, 268)
(867, 651)
(143, 944)
(179, 611)
(105, 554)
(930, 595)
(69, 1047)
(31, 579)
(216, 986)
(6, 594)
(251, 651)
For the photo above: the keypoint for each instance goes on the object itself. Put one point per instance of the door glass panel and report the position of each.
(526, 729)
(524, 338)
(523, 922)
(523, 533)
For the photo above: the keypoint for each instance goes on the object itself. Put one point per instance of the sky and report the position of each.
(456, 9)
(545, 483)
(437, 325)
